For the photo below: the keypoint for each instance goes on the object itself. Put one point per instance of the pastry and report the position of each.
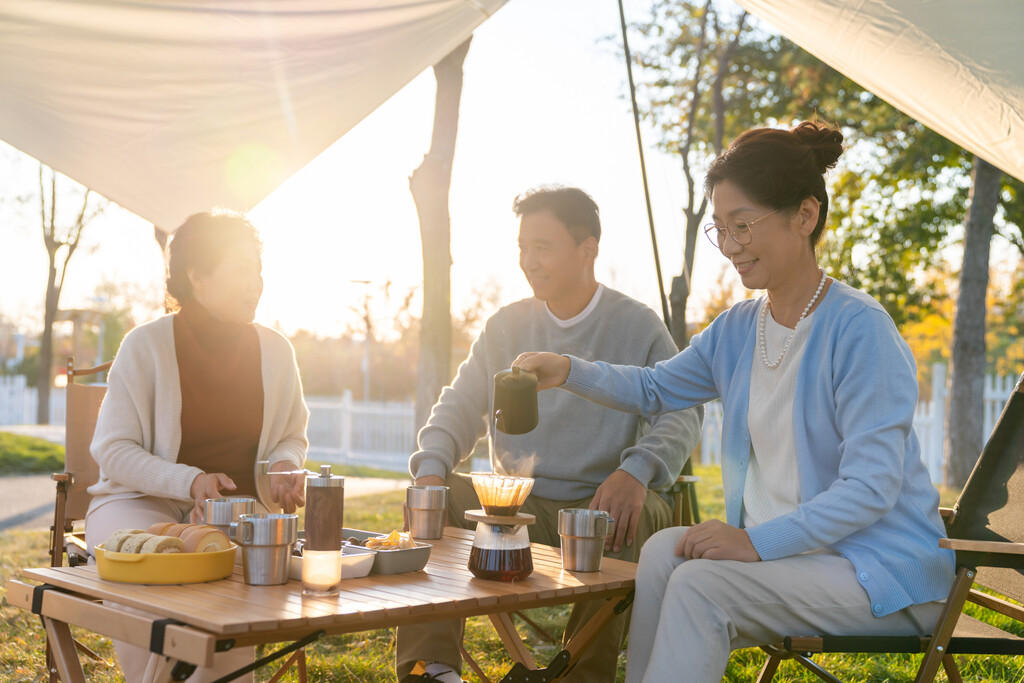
(160, 528)
(205, 541)
(162, 544)
(118, 538)
(134, 543)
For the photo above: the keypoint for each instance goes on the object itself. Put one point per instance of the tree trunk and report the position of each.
(45, 377)
(681, 285)
(429, 185)
(55, 240)
(966, 400)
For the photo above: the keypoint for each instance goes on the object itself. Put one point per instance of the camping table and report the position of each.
(189, 622)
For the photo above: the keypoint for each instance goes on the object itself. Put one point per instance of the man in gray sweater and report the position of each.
(580, 455)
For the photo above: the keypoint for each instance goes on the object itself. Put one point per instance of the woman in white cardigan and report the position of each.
(196, 401)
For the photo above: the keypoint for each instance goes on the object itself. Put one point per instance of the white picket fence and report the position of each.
(375, 433)
(18, 402)
(929, 420)
(382, 434)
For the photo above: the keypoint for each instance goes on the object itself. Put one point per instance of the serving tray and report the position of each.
(393, 561)
(164, 568)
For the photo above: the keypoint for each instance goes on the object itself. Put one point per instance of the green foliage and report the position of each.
(28, 455)
(1004, 328)
(900, 193)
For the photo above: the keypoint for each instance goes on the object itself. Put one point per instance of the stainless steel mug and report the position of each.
(428, 510)
(582, 533)
(266, 541)
(221, 512)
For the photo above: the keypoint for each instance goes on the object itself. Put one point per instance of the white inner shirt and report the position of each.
(582, 314)
(772, 487)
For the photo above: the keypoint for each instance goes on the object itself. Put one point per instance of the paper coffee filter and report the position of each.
(501, 494)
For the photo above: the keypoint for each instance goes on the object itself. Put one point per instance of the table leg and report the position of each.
(65, 655)
(506, 629)
(585, 637)
(574, 649)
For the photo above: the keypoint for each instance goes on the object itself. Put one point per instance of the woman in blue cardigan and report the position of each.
(832, 520)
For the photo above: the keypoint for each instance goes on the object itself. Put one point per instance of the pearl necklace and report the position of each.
(763, 321)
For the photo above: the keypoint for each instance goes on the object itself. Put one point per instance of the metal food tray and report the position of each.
(393, 561)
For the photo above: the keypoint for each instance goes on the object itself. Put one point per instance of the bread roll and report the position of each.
(159, 529)
(162, 544)
(205, 541)
(134, 543)
(118, 538)
(176, 529)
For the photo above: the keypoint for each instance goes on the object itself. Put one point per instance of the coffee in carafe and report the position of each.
(501, 564)
(501, 547)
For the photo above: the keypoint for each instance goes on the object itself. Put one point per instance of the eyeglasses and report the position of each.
(739, 231)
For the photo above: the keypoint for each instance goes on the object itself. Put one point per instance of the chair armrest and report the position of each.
(1000, 547)
(60, 476)
(947, 513)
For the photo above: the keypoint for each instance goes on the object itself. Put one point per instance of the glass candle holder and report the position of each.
(321, 572)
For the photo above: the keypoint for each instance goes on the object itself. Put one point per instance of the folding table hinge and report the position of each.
(37, 597)
(624, 603)
(288, 649)
(520, 674)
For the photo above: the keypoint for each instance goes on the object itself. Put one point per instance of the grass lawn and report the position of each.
(29, 455)
(368, 657)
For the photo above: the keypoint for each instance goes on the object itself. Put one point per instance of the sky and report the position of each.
(544, 101)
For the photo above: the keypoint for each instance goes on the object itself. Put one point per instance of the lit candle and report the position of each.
(321, 572)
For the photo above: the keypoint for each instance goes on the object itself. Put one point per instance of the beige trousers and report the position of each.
(689, 615)
(439, 641)
(138, 664)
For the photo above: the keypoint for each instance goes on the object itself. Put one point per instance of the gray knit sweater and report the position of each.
(577, 443)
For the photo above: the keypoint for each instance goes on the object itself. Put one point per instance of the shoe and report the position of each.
(432, 672)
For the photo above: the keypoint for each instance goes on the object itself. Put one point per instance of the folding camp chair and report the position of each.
(72, 500)
(82, 407)
(684, 498)
(986, 530)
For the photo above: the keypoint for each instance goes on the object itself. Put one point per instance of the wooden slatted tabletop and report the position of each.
(443, 590)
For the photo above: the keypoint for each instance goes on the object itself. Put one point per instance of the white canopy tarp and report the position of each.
(955, 65)
(169, 108)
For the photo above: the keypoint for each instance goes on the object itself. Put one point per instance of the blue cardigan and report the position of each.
(864, 491)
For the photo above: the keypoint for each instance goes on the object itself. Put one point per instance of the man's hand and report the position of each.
(622, 496)
(551, 369)
(716, 540)
(288, 491)
(207, 485)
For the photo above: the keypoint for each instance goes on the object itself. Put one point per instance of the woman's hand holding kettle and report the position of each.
(552, 369)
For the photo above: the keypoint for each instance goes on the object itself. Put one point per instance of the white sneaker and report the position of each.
(442, 673)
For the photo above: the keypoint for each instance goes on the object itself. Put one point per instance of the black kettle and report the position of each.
(515, 401)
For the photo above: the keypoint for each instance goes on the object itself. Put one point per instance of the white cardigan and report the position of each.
(138, 432)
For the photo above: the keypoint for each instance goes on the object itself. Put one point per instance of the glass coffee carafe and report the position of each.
(501, 550)
(501, 544)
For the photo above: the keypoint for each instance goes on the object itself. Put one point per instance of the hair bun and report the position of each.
(825, 142)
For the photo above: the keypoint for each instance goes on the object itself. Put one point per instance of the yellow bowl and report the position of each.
(500, 494)
(165, 567)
